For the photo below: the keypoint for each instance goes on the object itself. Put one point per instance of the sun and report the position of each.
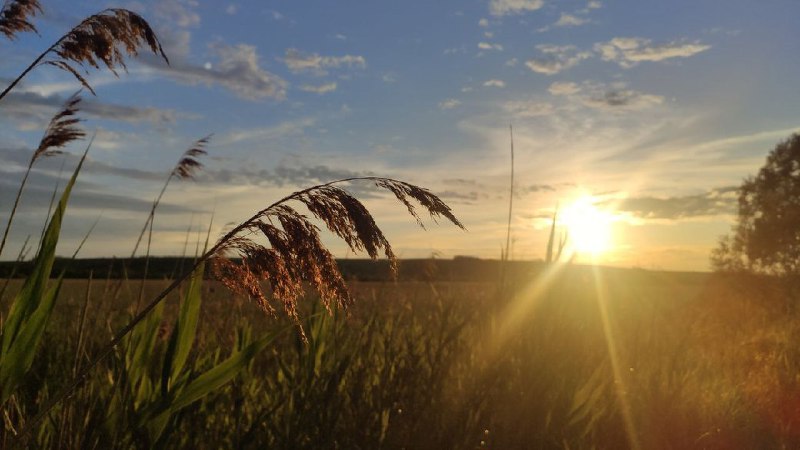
(588, 228)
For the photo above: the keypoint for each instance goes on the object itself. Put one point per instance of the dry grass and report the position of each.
(15, 16)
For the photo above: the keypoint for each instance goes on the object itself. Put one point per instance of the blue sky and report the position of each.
(656, 109)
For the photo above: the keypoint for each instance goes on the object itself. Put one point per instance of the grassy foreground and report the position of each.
(573, 358)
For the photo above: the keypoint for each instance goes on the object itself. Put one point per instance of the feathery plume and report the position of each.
(292, 253)
(190, 163)
(15, 14)
(104, 39)
(62, 129)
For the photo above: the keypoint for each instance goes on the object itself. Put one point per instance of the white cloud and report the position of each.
(594, 4)
(237, 69)
(231, 9)
(489, 46)
(563, 88)
(569, 20)
(506, 7)
(528, 108)
(556, 59)
(298, 61)
(282, 130)
(178, 12)
(449, 103)
(512, 62)
(614, 97)
(495, 83)
(483, 23)
(321, 89)
(627, 52)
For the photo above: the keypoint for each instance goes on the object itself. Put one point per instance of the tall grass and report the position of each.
(148, 389)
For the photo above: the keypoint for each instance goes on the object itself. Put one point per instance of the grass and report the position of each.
(707, 364)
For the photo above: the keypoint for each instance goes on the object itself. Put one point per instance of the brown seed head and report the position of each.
(292, 253)
(15, 14)
(104, 38)
(189, 163)
(62, 130)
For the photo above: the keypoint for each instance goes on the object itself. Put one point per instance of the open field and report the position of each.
(575, 359)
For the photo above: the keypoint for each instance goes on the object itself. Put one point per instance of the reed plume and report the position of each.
(15, 16)
(185, 169)
(62, 129)
(105, 38)
(293, 253)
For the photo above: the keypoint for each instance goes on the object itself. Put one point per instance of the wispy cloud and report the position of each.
(556, 58)
(570, 20)
(720, 201)
(506, 7)
(627, 52)
(611, 97)
(288, 128)
(489, 46)
(39, 108)
(495, 83)
(237, 69)
(320, 89)
(449, 103)
(528, 108)
(316, 64)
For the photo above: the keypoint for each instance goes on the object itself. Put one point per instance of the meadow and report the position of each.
(265, 340)
(568, 357)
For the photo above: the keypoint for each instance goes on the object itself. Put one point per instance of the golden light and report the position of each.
(588, 228)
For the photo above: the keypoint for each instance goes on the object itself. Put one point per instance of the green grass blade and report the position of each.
(19, 358)
(221, 374)
(183, 334)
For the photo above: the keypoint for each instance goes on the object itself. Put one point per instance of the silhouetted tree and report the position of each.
(766, 238)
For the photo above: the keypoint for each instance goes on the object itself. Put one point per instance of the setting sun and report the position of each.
(588, 228)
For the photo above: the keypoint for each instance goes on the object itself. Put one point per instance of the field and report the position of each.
(563, 357)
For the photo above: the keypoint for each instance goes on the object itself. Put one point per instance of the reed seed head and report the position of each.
(15, 16)
(62, 130)
(104, 39)
(283, 247)
(190, 163)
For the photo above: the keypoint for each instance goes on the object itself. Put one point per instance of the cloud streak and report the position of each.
(300, 62)
(510, 7)
(628, 52)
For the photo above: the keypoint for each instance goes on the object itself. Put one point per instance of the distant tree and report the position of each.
(766, 237)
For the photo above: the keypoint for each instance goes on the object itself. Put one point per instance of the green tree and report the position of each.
(766, 237)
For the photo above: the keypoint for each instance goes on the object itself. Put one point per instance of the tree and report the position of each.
(766, 238)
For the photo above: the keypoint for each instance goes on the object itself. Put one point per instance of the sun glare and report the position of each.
(588, 228)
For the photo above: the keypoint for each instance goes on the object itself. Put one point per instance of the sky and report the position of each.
(653, 111)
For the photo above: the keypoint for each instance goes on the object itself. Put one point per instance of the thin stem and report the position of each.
(511, 194)
(16, 204)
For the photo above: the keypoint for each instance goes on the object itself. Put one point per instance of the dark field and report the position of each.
(568, 357)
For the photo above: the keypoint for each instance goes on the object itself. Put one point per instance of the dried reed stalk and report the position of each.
(294, 255)
(103, 38)
(15, 14)
(62, 130)
(185, 169)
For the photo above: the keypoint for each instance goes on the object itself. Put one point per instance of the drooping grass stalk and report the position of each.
(342, 214)
(62, 129)
(94, 41)
(185, 168)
